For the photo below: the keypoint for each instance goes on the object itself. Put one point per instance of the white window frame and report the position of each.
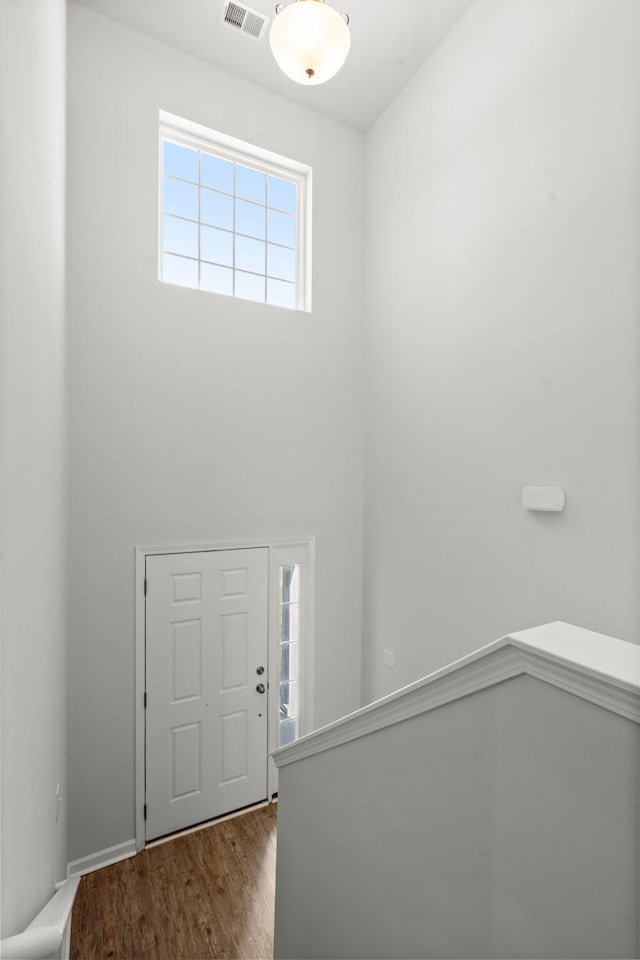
(199, 137)
(283, 555)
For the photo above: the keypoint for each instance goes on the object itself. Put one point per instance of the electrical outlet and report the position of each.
(387, 659)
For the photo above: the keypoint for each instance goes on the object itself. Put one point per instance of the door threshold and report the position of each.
(210, 823)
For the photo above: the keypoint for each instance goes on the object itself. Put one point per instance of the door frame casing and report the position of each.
(278, 548)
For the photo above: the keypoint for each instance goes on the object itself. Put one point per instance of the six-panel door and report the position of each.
(206, 719)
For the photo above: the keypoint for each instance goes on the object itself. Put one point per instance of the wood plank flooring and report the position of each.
(207, 894)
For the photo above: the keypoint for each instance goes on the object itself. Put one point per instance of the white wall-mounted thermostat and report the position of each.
(547, 499)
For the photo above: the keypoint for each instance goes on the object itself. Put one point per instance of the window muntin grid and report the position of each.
(229, 226)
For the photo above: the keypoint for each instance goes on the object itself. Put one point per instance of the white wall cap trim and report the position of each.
(102, 858)
(43, 937)
(616, 661)
(601, 669)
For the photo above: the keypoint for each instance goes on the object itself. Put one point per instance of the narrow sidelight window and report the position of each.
(289, 621)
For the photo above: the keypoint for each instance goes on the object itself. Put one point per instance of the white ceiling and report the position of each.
(390, 39)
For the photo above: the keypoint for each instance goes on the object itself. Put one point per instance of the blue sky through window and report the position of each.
(233, 226)
(216, 209)
(180, 162)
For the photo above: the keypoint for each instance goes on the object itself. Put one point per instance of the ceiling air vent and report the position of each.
(242, 18)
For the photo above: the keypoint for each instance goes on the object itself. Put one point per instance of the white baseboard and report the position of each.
(103, 858)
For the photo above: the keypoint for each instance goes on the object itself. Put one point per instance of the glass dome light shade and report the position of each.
(310, 41)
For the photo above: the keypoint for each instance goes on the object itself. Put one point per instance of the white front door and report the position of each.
(206, 682)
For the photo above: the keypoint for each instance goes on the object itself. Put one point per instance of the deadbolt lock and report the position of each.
(260, 671)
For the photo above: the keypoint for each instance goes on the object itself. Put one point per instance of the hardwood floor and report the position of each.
(207, 894)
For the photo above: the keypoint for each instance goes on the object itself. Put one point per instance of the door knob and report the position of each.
(261, 688)
(260, 671)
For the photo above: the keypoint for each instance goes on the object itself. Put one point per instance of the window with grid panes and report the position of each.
(230, 225)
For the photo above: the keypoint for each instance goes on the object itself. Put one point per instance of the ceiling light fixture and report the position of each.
(310, 40)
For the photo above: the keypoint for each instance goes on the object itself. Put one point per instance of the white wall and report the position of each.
(502, 308)
(196, 417)
(504, 824)
(33, 474)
